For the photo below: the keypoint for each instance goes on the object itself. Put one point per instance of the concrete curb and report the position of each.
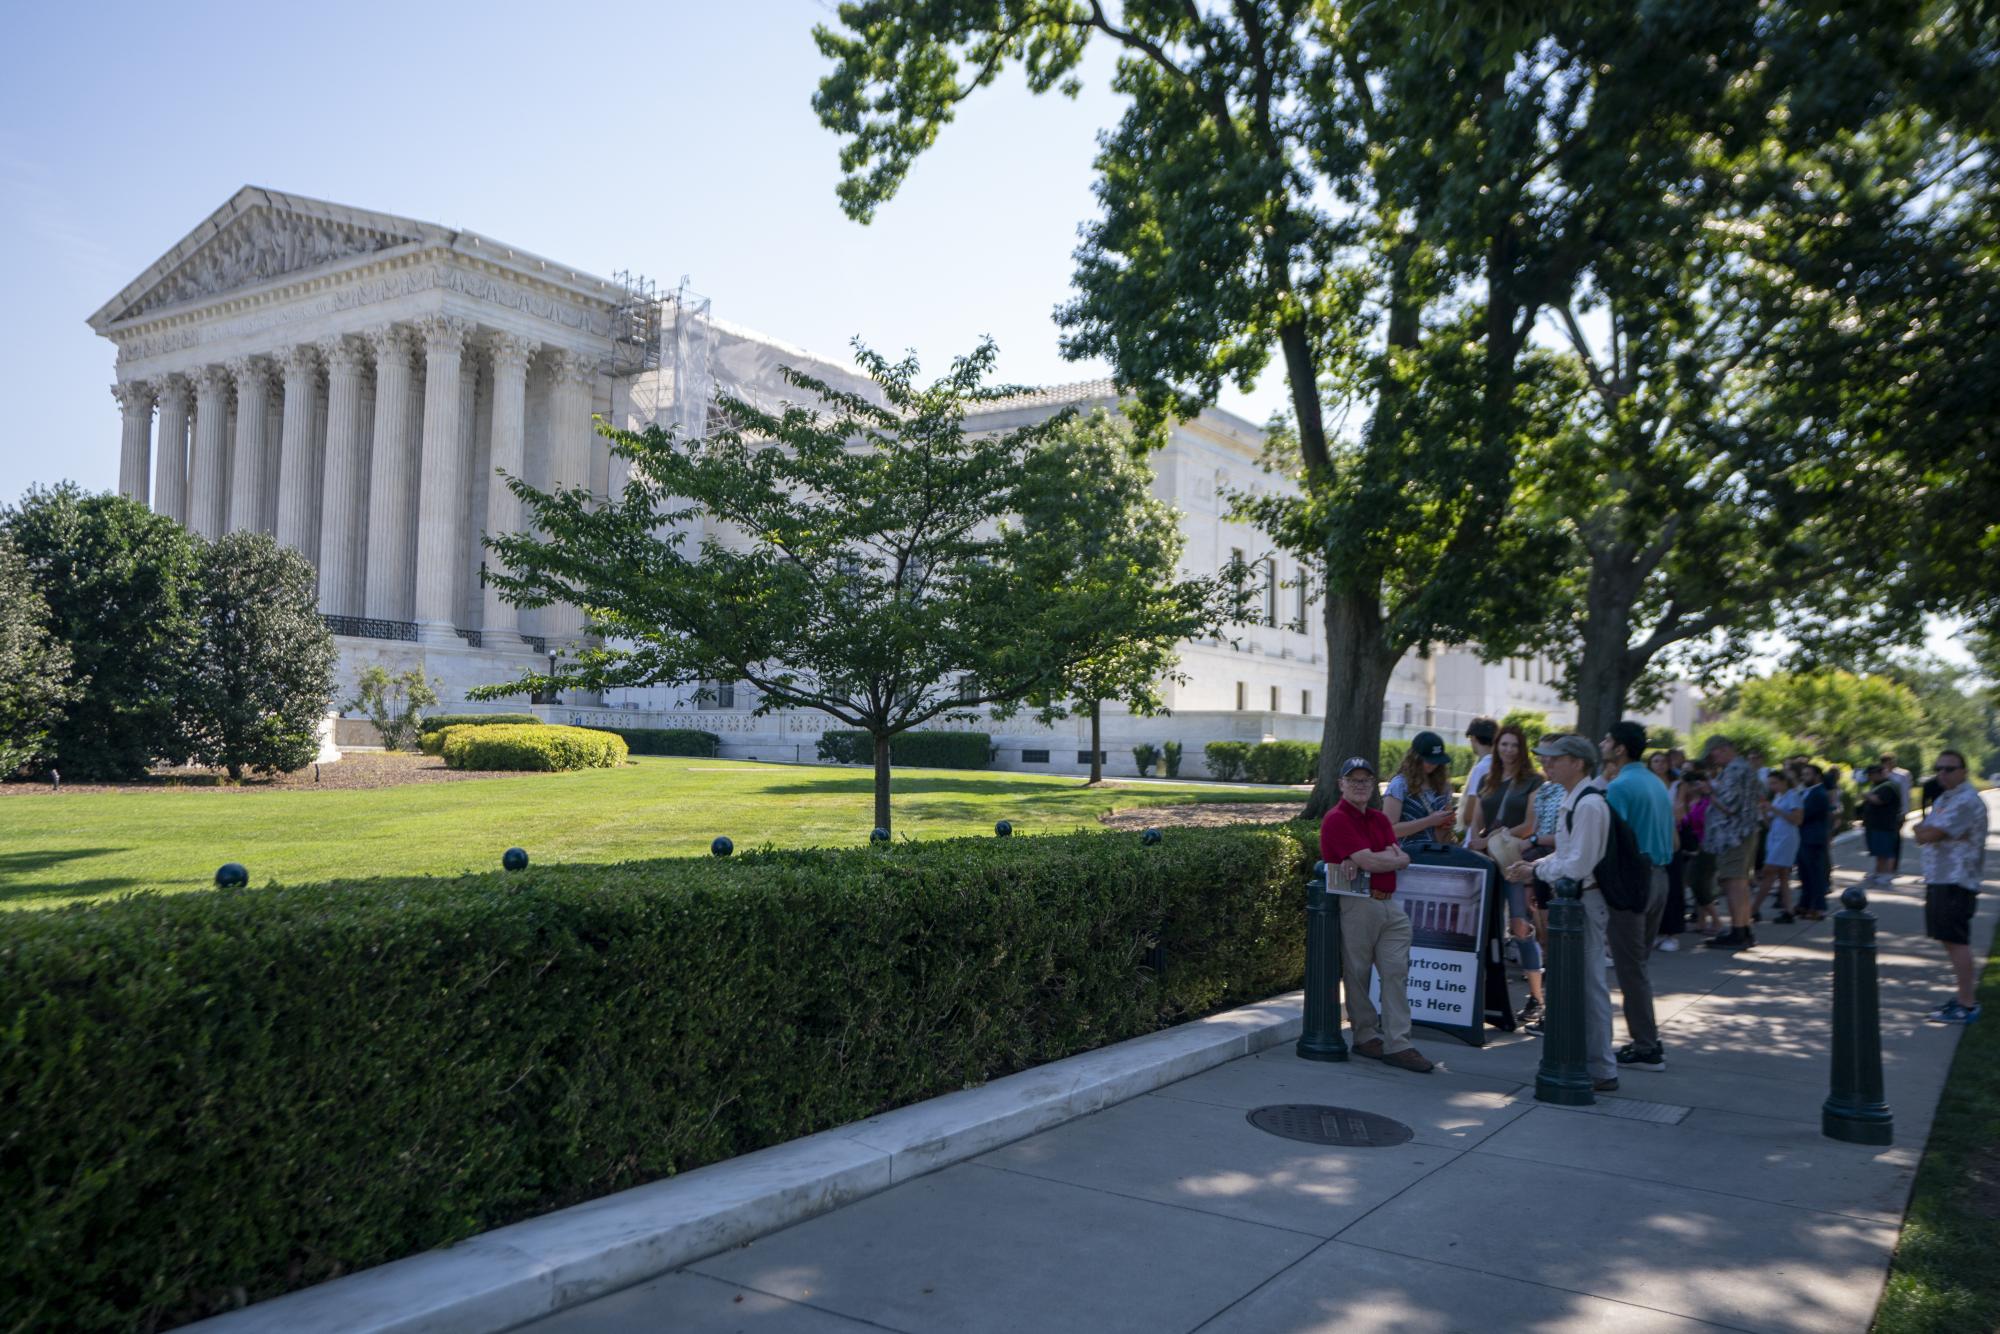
(517, 1273)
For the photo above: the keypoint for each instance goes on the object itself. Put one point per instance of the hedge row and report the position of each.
(912, 750)
(514, 746)
(1298, 761)
(668, 741)
(222, 1095)
(443, 720)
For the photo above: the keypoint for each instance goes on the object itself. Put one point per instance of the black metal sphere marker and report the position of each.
(232, 875)
(1855, 1110)
(515, 859)
(1313, 1123)
(1149, 837)
(878, 835)
(722, 847)
(1004, 829)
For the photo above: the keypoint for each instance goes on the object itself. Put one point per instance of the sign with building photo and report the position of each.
(1447, 907)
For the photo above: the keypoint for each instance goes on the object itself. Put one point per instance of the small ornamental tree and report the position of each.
(395, 704)
(863, 559)
(262, 678)
(34, 666)
(117, 581)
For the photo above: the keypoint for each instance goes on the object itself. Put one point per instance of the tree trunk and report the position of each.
(1359, 665)
(1603, 669)
(1096, 743)
(881, 781)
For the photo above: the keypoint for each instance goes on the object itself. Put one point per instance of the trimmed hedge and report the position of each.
(668, 741)
(443, 720)
(1282, 762)
(912, 750)
(1226, 759)
(248, 1091)
(513, 746)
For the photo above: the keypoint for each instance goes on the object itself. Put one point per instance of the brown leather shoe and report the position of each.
(1372, 1049)
(1409, 1059)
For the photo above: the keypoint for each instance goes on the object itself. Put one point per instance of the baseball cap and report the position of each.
(1570, 744)
(1354, 764)
(1430, 748)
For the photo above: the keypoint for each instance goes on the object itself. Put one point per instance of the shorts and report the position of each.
(1702, 881)
(1883, 842)
(1733, 863)
(1948, 913)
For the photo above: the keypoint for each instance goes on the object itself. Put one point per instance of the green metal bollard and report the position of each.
(1319, 1037)
(1854, 1110)
(1564, 1078)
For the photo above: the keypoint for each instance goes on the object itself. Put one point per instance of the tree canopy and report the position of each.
(35, 679)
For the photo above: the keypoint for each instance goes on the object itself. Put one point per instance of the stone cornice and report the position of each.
(355, 285)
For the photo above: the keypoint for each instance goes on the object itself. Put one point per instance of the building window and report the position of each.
(1302, 622)
(1103, 757)
(722, 695)
(1242, 697)
(1271, 591)
(1511, 664)
(1406, 715)
(1277, 700)
(1034, 757)
(1305, 701)
(1238, 571)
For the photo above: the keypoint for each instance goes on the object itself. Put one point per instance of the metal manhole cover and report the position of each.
(1317, 1124)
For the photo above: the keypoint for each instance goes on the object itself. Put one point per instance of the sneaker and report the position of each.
(1604, 1086)
(1954, 1013)
(1785, 919)
(1728, 940)
(1757, 916)
(1632, 1056)
(1372, 1049)
(1667, 945)
(1409, 1059)
(1531, 1014)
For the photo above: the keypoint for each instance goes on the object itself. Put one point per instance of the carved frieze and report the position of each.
(257, 247)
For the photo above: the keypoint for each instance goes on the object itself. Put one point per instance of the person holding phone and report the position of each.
(1418, 799)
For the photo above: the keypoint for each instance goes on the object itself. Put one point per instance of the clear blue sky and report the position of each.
(669, 139)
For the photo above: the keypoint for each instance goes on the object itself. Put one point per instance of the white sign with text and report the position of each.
(1446, 906)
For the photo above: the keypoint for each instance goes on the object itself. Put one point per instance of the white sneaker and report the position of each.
(1667, 945)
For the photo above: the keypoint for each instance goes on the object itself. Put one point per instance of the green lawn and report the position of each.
(60, 848)
(1946, 1275)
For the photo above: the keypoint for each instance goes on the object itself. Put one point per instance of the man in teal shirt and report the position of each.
(1641, 801)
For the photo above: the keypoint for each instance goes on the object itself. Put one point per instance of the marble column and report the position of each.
(344, 512)
(274, 434)
(392, 482)
(509, 457)
(468, 456)
(208, 470)
(570, 434)
(247, 467)
(441, 485)
(297, 476)
(170, 476)
(135, 452)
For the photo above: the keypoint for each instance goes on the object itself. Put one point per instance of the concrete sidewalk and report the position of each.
(1702, 1197)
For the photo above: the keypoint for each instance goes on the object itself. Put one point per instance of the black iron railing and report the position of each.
(367, 627)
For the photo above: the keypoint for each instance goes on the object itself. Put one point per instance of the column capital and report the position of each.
(250, 370)
(300, 360)
(211, 381)
(443, 334)
(511, 352)
(390, 342)
(342, 353)
(174, 390)
(135, 396)
(569, 366)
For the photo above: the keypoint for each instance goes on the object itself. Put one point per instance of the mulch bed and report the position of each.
(355, 769)
(1205, 815)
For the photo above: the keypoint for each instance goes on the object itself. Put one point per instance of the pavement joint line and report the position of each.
(1682, 1185)
(1552, 1287)
(775, 1296)
(1147, 1199)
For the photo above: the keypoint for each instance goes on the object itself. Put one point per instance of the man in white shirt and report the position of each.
(1583, 831)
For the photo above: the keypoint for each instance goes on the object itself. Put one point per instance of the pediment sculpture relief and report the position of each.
(257, 247)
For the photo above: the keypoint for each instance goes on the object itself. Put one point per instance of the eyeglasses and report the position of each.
(1359, 778)
(1950, 768)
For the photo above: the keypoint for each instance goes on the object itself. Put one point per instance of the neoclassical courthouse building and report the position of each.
(355, 383)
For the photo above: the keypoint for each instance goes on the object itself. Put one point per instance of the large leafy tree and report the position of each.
(1388, 198)
(260, 681)
(118, 584)
(1087, 509)
(35, 680)
(1838, 714)
(870, 560)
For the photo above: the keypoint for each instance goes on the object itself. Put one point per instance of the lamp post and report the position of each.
(554, 698)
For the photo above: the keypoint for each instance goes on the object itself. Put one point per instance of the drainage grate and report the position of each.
(1316, 1124)
(1631, 1109)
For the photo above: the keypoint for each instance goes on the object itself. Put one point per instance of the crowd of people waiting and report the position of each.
(1704, 833)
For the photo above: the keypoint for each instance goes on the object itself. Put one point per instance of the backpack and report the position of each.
(1623, 874)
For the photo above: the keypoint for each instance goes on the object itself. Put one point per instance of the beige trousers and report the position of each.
(1375, 934)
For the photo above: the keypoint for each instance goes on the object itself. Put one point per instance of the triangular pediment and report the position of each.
(257, 237)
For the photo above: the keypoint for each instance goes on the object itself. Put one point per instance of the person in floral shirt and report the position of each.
(1730, 834)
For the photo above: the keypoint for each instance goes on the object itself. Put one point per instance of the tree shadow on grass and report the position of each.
(16, 864)
(1052, 787)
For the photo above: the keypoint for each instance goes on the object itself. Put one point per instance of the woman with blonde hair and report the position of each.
(1418, 798)
(1503, 805)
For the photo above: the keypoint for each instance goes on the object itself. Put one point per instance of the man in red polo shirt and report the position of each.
(1375, 934)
